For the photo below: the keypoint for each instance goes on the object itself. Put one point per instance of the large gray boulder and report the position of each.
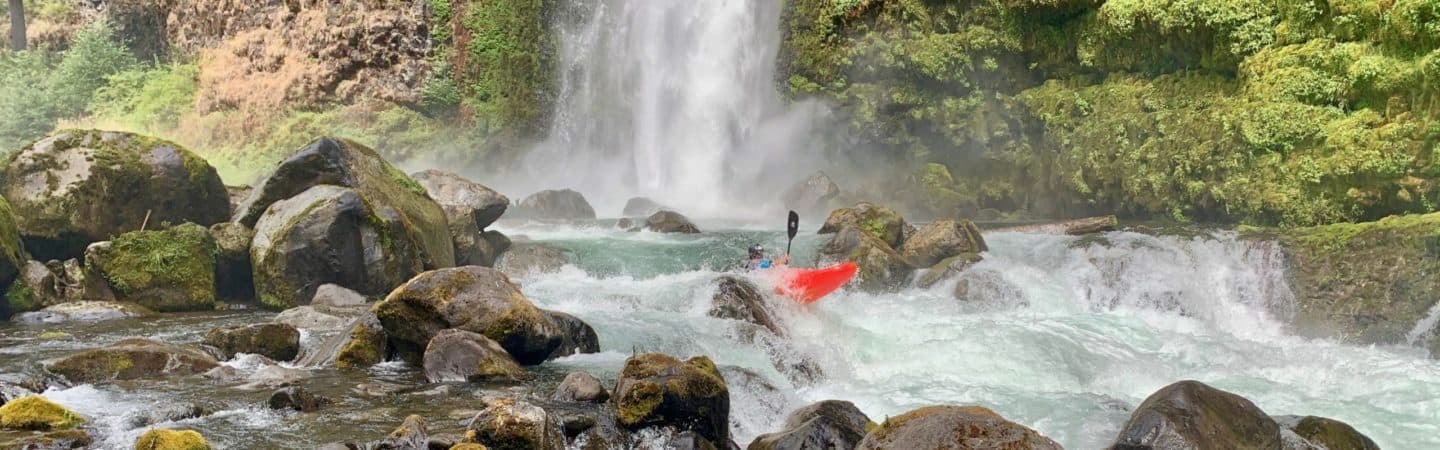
(412, 217)
(132, 359)
(955, 428)
(563, 204)
(329, 234)
(738, 299)
(459, 355)
(830, 424)
(1191, 414)
(657, 390)
(670, 222)
(881, 268)
(470, 298)
(366, 344)
(942, 239)
(77, 187)
(462, 199)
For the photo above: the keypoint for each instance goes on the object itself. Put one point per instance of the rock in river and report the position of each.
(131, 359)
(471, 298)
(954, 428)
(277, 341)
(514, 424)
(168, 270)
(830, 424)
(881, 222)
(641, 207)
(670, 222)
(1191, 414)
(659, 390)
(563, 204)
(581, 387)
(942, 239)
(881, 268)
(459, 355)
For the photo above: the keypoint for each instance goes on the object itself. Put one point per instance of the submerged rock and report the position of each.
(1323, 433)
(659, 390)
(1191, 414)
(37, 413)
(670, 222)
(738, 299)
(470, 298)
(641, 207)
(412, 218)
(459, 355)
(581, 387)
(830, 424)
(368, 344)
(234, 275)
(277, 341)
(564, 204)
(296, 398)
(77, 187)
(878, 221)
(954, 427)
(165, 439)
(169, 270)
(531, 259)
(942, 239)
(881, 268)
(813, 195)
(576, 335)
(84, 311)
(131, 359)
(513, 424)
(463, 200)
(410, 435)
(54, 440)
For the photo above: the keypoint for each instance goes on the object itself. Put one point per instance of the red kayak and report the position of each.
(808, 285)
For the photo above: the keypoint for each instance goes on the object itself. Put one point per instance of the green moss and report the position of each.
(36, 413)
(365, 348)
(11, 249)
(183, 257)
(503, 63)
(163, 439)
(639, 403)
(21, 298)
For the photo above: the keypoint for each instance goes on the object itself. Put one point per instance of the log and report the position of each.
(1074, 227)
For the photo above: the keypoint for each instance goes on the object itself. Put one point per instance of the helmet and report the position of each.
(756, 250)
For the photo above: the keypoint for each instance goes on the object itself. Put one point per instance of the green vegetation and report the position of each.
(163, 439)
(502, 63)
(180, 258)
(41, 88)
(36, 413)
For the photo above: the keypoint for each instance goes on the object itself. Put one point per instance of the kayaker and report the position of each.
(758, 261)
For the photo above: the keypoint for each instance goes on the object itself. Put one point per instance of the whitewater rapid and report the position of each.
(1063, 335)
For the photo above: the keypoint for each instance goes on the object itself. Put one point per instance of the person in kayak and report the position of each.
(758, 261)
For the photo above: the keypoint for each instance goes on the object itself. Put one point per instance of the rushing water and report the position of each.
(1060, 334)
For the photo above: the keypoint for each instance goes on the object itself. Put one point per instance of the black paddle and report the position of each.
(791, 228)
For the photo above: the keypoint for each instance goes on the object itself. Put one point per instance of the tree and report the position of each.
(17, 25)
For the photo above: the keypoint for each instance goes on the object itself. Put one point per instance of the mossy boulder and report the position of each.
(471, 298)
(329, 234)
(527, 259)
(12, 250)
(296, 398)
(670, 222)
(277, 341)
(459, 355)
(1366, 283)
(234, 274)
(815, 194)
(942, 239)
(660, 391)
(576, 335)
(827, 424)
(163, 439)
(737, 298)
(34, 289)
(168, 270)
(463, 200)
(410, 435)
(37, 413)
(580, 387)
(76, 187)
(509, 424)
(1326, 433)
(409, 212)
(875, 220)
(1191, 414)
(132, 359)
(881, 267)
(953, 427)
(367, 345)
(563, 204)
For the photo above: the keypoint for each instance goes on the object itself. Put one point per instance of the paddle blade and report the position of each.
(793, 226)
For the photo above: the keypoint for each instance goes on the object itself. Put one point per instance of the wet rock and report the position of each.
(277, 341)
(131, 359)
(392, 195)
(738, 299)
(476, 248)
(337, 296)
(470, 298)
(641, 207)
(813, 195)
(318, 318)
(367, 345)
(298, 399)
(581, 387)
(947, 269)
(12, 253)
(658, 390)
(881, 268)
(84, 311)
(37, 413)
(941, 240)
(953, 427)
(165, 439)
(54, 440)
(459, 355)
(530, 259)
(411, 435)
(830, 424)
(1191, 414)
(576, 335)
(878, 221)
(34, 289)
(670, 222)
(1323, 433)
(169, 270)
(463, 200)
(329, 234)
(166, 413)
(563, 204)
(513, 424)
(234, 277)
(76, 187)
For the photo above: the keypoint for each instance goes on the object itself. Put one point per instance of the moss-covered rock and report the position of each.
(459, 355)
(36, 413)
(881, 267)
(32, 290)
(509, 424)
(476, 299)
(163, 439)
(658, 390)
(131, 359)
(827, 424)
(1367, 282)
(875, 220)
(169, 270)
(953, 427)
(76, 187)
(329, 234)
(234, 276)
(411, 215)
(942, 239)
(1326, 433)
(277, 341)
(411, 434)
(1190, 414)
(12, 251)
(367, 345)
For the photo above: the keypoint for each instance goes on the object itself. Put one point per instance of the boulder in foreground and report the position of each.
(167, 270)
(875, 220)
(1191, 414)
(659, 390)
(953, 428)
(37, 413)
(459, 355)
(470, 298)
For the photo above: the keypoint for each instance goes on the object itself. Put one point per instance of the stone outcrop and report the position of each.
(471, 298)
